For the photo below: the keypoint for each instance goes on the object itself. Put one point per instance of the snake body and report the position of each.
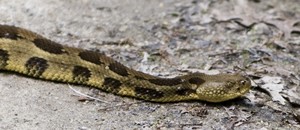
(28, 53)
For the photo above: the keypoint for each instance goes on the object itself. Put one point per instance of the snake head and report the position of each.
(222, 87)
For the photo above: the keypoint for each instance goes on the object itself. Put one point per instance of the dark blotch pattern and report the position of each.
(196, 80)
(111, 85)
(148, 93)
(184, 92)
(91, 56)
(4, 57)
(9, 32)
(81, 74)
(36, 66)
(49, 46)
(166, 82)
(118, 68)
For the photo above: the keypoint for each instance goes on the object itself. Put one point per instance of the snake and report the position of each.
(29, 54)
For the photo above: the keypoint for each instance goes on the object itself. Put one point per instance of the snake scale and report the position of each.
(31, 54)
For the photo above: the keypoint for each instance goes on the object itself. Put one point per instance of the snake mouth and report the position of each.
(246, 89)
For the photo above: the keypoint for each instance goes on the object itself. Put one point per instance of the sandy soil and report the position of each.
(165, 38)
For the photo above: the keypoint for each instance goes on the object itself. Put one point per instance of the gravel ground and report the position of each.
(165, 38)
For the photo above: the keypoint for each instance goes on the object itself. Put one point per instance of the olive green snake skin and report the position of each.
(28, 53)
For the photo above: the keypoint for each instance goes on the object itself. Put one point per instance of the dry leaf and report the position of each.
(274, 85)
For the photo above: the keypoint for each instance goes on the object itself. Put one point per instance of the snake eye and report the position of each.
(243, 82)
